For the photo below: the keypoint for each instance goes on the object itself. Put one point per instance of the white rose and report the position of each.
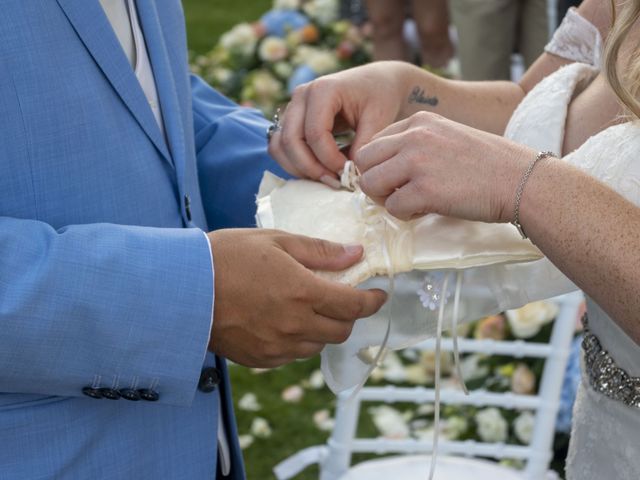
(302, 55)
(222, 75)
(273, 49)
(266, 86)
(428, 361)
(417, 375)
(523, 427)
(454, 427)
(283, 70)
(249, 403)
(286, 4)
(260, 428)
(492, 427)
(471, 368)
(389, 422)
(323, 62)
(241, 38)
(527, 321)
(322, 11)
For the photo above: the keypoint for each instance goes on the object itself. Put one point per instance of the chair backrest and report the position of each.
(335, 459)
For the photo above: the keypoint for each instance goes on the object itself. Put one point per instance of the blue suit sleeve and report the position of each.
(231, 148)
(103, 305)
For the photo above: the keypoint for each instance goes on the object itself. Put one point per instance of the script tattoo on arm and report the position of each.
(417, 96)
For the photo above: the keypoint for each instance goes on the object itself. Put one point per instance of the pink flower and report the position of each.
(523, 380)
(494, 328)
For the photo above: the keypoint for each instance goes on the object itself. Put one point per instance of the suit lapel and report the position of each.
(165, 82)
(94, 29)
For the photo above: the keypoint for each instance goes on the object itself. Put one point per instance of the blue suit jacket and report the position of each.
(105, 275)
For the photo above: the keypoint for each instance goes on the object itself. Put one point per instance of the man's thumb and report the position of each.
(317, 254)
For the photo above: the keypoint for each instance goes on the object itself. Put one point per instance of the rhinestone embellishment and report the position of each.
(604, 375)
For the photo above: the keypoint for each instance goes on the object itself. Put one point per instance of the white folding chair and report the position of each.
(455, 458)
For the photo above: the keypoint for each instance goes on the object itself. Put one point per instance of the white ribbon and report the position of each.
(374, 216)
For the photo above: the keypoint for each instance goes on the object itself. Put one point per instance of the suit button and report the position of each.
(187, 206)
(130, 394)
(92, 392)
(110, 393)
(209, 379)
(148, 395)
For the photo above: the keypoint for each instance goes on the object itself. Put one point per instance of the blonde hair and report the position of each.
(624, 79)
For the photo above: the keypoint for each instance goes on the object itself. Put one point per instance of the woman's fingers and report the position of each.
(378, 151)
(323, 106)
(385, 178)
(277, 152)
(407, 202)
(292, 144)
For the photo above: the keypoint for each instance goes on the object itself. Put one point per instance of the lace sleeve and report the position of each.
(577, 39)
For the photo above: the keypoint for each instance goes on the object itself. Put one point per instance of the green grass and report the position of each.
(292, 423)
(208, 19)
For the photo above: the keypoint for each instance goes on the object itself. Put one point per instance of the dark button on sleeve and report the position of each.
(110, 393)
(92, 392)
(148, 395)
(130, 394)
(209, 379)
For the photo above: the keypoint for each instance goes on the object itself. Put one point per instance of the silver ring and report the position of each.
(275, 126)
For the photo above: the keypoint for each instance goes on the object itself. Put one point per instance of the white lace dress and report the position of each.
(606, 432)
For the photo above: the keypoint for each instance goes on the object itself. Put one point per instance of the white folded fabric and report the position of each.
(418, 252)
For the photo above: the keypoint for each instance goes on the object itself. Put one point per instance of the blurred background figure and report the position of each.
(490, 31)
(431, 18)
(564, 5)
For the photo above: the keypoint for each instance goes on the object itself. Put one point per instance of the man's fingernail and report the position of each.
(354, 249)
(330, 181)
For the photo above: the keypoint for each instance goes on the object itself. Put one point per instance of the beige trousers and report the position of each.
(489, 31)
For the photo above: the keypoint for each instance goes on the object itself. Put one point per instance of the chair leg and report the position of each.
(338, 460)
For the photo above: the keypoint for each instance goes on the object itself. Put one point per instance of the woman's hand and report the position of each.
(428, 164)
(365, 100)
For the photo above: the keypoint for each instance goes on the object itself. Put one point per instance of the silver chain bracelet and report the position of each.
(520, 189)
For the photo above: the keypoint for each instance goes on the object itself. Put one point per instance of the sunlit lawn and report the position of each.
(208, 19)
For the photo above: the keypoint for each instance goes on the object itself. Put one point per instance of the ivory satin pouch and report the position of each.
(418, 253)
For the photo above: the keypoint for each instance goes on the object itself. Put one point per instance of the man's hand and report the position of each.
(270, 308)
(364, 99)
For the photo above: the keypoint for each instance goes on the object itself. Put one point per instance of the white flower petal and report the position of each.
(389, 422)
(260, 428)
(492, 427)
(322, 419)
(245, 441)
(292, 394)
(249, 402)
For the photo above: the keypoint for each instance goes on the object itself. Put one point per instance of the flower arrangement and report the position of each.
(494, 373)
(260, 64)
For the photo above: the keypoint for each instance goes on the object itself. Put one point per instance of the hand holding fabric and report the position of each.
(270, 309)
(428, 164)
